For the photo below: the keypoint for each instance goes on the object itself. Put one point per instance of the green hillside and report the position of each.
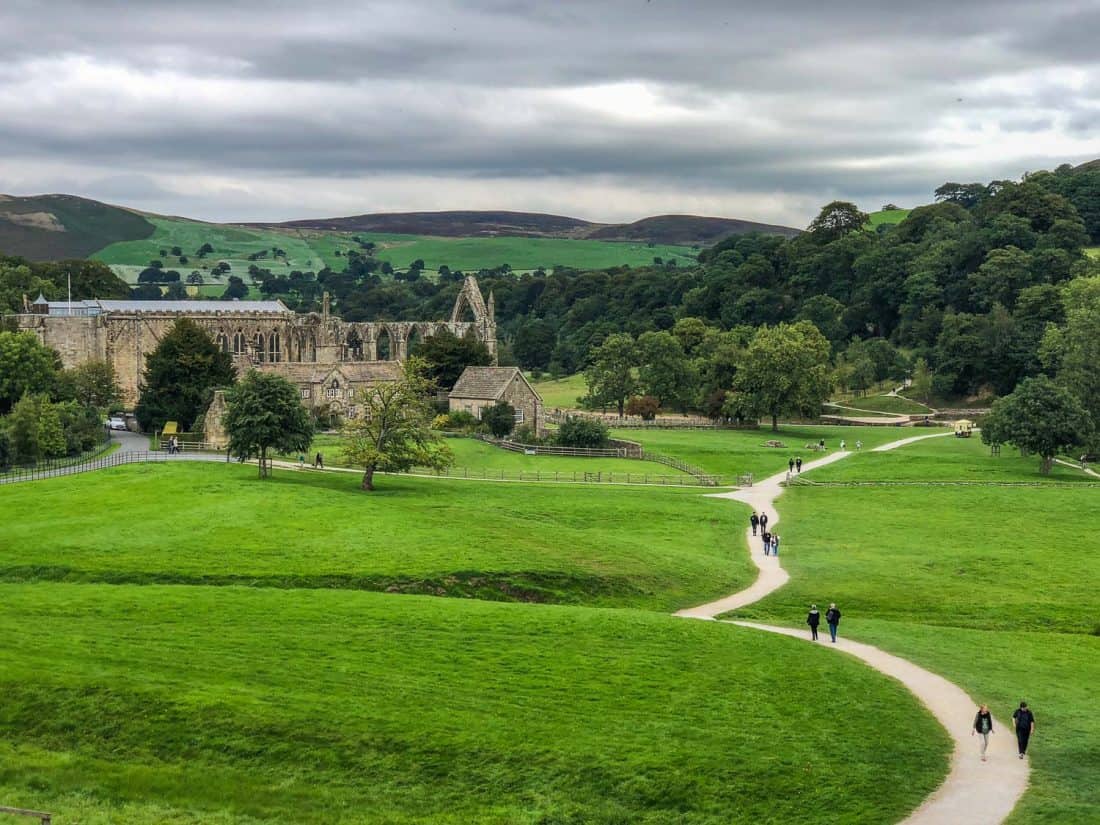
(888, 216)
(54, 227)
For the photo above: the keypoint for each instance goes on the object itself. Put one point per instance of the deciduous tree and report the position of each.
(394, 431)
(26, 366)
(263, 413)
(610, 376)
(1039, 416)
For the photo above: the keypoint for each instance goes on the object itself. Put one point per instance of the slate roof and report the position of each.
(305, 372)
(486, 382)
(234, 307)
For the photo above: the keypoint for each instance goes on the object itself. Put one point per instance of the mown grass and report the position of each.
(153, 704)
(560, 393)
(472, 454)
(894, 404)
(218, 524)
(887, 216)
(946, 459)
(991, 586)
(728, 452)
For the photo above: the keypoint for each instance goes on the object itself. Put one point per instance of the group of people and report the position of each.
(173, 445)
(832, 619)
(759, 522)
(1022, 719)
(318, 461)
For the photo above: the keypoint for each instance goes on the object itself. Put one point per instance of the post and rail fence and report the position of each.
(42, 817)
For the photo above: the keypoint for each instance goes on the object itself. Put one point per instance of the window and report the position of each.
(306, 393)
(333, 390)
(274, 348)
(519, 415)
(351, 392)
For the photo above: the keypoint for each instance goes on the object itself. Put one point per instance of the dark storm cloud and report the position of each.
(701, 102)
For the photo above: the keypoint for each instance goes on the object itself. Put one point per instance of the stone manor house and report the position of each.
(329, 360)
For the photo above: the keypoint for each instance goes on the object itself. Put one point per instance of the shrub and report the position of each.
(441, 422)
(582, 432)
(499, 418)
(525, 435)
(645, 406)
(462, 420)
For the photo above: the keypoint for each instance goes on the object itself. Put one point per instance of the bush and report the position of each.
(441, 422)
(462, 420)
(499, 418)
(645, 406)
(582, 432)
(525, 435)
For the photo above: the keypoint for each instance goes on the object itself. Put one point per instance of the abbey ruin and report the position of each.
(326, 357)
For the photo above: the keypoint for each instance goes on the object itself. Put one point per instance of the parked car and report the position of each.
(116, 422)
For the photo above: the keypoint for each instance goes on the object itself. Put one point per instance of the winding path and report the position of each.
(974, 792)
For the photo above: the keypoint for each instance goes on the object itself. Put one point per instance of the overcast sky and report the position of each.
(603, 109)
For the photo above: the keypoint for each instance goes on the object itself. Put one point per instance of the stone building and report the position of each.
(481, 387)
(261, 334)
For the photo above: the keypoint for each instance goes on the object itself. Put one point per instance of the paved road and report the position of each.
(974, 792)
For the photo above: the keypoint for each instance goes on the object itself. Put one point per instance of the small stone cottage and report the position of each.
(481, 387)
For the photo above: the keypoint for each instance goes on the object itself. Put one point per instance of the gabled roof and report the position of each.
(487, 383)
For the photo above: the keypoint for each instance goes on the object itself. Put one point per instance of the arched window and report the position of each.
(353, 348)
(273, 348)
(412, 343)
(333, 390)
(238, 342)
(258, 348)
(385, 345)
(222, 342)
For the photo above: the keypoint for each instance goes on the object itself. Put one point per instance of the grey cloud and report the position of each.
(799, 99)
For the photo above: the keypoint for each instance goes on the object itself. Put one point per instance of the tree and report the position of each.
(964, 194)
(582, 432)
(447, 355)
(35, 430)
(1039, 416)
(236, 289)
(785, 372)
(1072, 352)
(610, 376)
(195, 278)
(835, 220)
(91, 384)
(534, 343)
(921, 382)
(645, 407)
(499, 418)
(394, 432)
(26, 366)
(665, 371)
(180, 376)
(263, 412)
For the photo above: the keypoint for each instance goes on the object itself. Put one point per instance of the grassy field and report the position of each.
(311, 251)
(1093, 251)
(194, 524)
(893, 404)
(207, 704)
(945, 459)
(477, 455)
(887, 216)
(992, 586)
(728, 452)
(560, 393)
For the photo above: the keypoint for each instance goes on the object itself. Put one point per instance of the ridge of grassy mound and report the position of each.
(54, 227)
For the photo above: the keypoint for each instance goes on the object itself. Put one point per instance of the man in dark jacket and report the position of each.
(832, 618)
(790, 465)
(754, 520)
(798, 464)
(763, 521)
(813, 619)
(1025, 726)
(767, 537)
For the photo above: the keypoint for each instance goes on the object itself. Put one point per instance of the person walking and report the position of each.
(319, 462)
(843, 444)
(821, 445)
(798, 464)
(775, 544)
(813, 619)
(767, 537)
(763, 521)
(301, 461)
(1025, 726)
(859, 445)
(790, 465)
(754, 520)
(832, 618)
(983, 726)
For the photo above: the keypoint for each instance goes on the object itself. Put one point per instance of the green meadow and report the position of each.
(218, 524)
(992, 585)
(729, 452)
(187, 644)
(311, 251)
(893, 404)
(560, 393)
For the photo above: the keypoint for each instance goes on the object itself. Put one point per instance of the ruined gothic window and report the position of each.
(238, 342)
(222, 342)
(259, 347)
(273, 348)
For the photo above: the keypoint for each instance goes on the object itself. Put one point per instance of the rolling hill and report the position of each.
(52, 227)
(678, 230)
